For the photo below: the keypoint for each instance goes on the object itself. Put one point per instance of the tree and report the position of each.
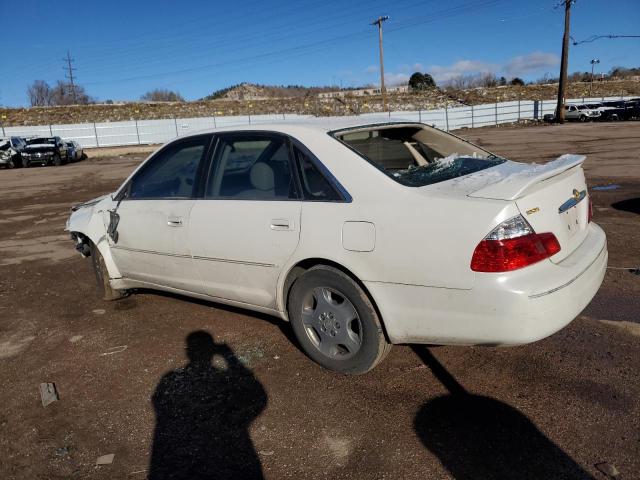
(159, 95)
(421, 81)
(488, 80)
(517, 81)
(65, 94)
(39, 94)
(503, 81)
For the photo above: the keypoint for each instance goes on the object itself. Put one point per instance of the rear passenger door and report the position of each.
(248, 223)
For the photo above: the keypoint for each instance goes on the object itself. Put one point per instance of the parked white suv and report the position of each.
(581, 113)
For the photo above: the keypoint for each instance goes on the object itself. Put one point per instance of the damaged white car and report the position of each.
(361, 236)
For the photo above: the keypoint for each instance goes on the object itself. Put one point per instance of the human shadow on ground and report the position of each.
(478, 437)
(203, 415)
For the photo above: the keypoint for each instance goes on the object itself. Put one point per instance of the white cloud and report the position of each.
(391, 79)
(461, 67)
(521, 65)
(536, 61)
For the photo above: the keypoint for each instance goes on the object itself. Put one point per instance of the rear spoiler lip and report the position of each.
(514, 185)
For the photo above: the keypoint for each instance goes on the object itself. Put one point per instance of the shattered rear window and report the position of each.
(447, 169)
(416, 155)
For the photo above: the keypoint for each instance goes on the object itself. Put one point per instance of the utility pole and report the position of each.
(383, 90)
(69, 68)
(593, 64)
(562, 84)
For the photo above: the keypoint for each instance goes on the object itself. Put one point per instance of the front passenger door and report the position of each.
(154, 214)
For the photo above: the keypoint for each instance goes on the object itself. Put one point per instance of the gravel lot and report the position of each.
(553, 409)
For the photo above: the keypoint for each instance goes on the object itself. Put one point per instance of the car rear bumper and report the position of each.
(501, 309)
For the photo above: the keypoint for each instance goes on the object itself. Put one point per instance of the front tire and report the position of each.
(57, 161)
(102, 277)
(583, 118)
(335, 322)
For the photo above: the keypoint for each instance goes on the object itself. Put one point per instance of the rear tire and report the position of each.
(583, 118)
(57, 161)
(335, 322)
(102, 278)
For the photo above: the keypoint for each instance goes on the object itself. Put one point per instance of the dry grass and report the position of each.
(309, 105)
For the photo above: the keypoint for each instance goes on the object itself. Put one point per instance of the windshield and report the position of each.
(416, 155)
(41, 141)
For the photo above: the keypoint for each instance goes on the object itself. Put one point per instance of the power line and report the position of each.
(149, 47)
(593, 38)
(312, 46)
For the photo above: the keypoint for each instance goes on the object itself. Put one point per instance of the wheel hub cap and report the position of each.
(332, 323)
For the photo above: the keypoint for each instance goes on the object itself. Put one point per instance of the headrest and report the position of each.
(261, 176)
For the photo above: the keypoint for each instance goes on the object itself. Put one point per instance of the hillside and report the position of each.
(250, 91)
(265, 100)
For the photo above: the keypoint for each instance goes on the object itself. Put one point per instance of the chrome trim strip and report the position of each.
(226, 260)
(572, 202)
(209, 259)
(553, 290)
(138, 250)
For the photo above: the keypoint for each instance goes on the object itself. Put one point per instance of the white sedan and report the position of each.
(360, 235)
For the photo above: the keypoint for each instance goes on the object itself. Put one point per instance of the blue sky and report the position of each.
(124, 48)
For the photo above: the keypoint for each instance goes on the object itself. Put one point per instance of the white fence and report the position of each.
(141, 132)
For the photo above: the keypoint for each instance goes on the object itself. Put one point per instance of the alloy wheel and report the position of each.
(332, 323)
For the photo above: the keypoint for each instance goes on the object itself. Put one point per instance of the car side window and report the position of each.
(252, 166)
(172, 172)
(315, 185)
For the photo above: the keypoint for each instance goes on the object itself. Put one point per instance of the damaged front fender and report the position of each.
(86, 224)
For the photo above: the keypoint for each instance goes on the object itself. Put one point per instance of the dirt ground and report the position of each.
(553, 409)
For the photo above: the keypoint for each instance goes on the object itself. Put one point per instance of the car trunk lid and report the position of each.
(551, 197)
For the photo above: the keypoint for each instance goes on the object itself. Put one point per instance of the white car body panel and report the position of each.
(153, 243)
(410, 247)
(239, 246)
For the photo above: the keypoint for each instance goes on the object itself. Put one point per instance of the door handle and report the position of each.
(174, 221)
(281, 224)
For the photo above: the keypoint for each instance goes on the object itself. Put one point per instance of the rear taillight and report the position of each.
(512, 245)
(590, 214)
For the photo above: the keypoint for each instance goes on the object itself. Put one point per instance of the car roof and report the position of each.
(314, 125)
